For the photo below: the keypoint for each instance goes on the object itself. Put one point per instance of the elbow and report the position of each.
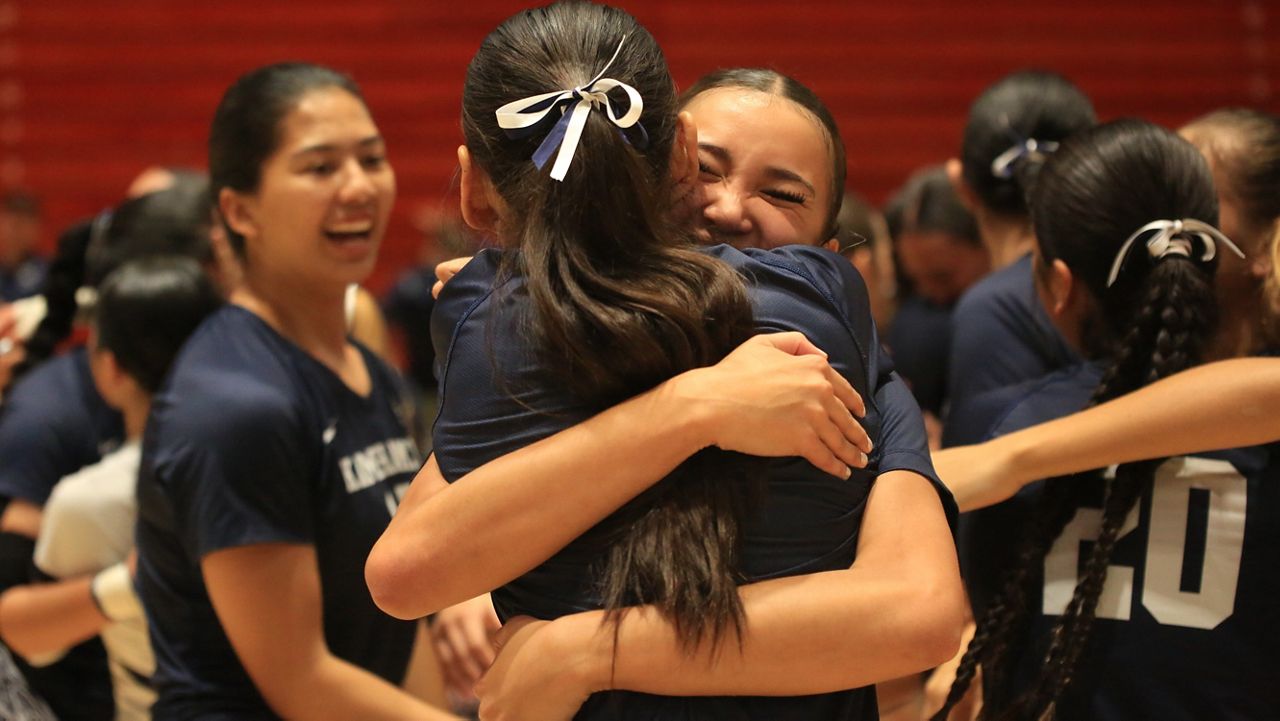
(395, 581)
(941, 613)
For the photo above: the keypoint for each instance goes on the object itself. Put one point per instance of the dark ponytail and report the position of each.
(620, 299)
(1154, 321)
(1030, 105)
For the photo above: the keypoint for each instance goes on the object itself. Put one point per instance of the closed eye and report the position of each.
(787, 196)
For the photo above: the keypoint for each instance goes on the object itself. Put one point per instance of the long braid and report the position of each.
(1176, 320)
(1153, 321)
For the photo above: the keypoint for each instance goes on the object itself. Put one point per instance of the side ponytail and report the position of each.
(621, 301)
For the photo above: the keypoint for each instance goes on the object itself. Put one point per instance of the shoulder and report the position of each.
(106, 483)
(230, 382)
(998, 291)
(1055, 395)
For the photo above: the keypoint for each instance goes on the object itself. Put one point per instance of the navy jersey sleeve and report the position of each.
(52, 424)
(236, 474)
(902, 443)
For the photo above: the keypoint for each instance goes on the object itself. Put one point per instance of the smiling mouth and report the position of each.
(349, 232)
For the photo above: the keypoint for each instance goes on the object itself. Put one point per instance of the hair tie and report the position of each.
(1003, 165)
(1190, 238)
(521, 118)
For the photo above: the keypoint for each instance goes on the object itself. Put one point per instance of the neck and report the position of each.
(1006, 238)
(135, 412)
(312, 319)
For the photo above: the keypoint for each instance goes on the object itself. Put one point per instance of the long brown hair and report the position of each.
(620, 299)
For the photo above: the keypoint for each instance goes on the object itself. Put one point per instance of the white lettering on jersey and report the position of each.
(1166, 553)
(378, 462)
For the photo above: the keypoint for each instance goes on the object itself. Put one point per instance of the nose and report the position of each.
(724, 208)
(357, 186)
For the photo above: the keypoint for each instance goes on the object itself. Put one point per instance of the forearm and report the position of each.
(512, 513)
(898, 610)
(330, 689)
(45, 618)
(1229, 404)
(807, 634)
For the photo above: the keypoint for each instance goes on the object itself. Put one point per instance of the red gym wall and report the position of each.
(91, 91)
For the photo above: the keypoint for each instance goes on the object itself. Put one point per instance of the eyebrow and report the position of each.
(773, 172)
(368, 142)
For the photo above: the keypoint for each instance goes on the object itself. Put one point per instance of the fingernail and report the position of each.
(847, 472)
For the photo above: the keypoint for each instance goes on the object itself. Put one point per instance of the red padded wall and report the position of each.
(91, 91)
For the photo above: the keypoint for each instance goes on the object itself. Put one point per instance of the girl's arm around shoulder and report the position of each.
(532, 502)
(1228, 404)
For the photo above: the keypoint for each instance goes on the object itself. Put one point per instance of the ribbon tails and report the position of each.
(521, 118)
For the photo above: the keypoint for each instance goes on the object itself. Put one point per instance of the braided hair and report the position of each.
(1154, 321)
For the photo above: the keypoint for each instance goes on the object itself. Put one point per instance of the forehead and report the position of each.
(767, 128)
(325, 116)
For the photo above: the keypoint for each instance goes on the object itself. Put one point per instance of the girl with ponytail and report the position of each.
(1138, 593)
(597, 299)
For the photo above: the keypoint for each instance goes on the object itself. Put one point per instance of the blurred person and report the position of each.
(940, 255)
(144, 312)
(863, 237)
(22, 268)
(54, 422)
(1000, 332)
(1243, 150)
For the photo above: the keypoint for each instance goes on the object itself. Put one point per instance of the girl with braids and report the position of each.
(615, 301)
(1000, 334)
(1171, 553)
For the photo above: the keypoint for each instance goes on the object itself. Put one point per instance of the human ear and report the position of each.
(955, 174)
(1063, 292)
(480, 201)
(239, 211)
(684, 151)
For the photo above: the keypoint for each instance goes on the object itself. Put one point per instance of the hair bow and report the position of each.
(521, 118)
(1002, 166)
(1175, 237)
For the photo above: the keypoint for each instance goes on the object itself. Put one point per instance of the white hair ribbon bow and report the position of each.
(1175, 237)
(522, 117)
(1002, 166)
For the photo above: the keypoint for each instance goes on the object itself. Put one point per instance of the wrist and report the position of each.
(685, 412)
(583, 646)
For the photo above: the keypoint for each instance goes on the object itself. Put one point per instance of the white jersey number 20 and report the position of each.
(1175, 526)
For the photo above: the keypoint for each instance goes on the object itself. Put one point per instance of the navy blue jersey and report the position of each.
(251, 441)
(23, 280)
(1000, 335)
(495, 398)
(920, 339)
(52, 424)
(1187, 623)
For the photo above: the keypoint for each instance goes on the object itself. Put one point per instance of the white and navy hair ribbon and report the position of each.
(522, 118)
(1004, 164)
(1189, 238)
